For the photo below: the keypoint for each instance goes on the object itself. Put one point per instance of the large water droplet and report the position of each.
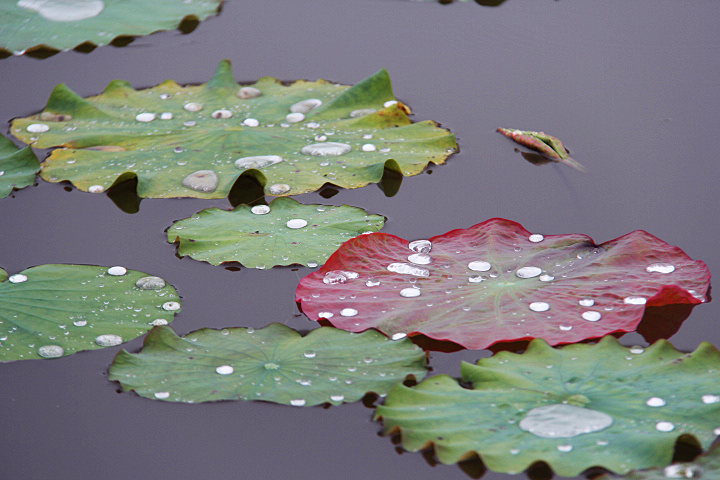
(398, 336)
(708, 399)
(410, 292)
(150, 283)
(64, 10)
(260, 209)
(297, 402)
(158, 322)
(420, 246)
(528, 272)
(591, 316)
(193, 107)
(17, 278)
(369, 147)
(539, 306)
(479, 266)
(304, 106)
(536, 237)
(96, 189)
(37, 128)
(665, 426)
(166, 116)
(51, 351)
(683, 470)
(635, 300)
(201, 181)
(348, 312)
(224, 369)
(660, 268)
(162, 395)
(327, 149)
(407, 269)
(586, 302)
(337, 398)
(117, 271)
(294, 117)
(108, 340)
(564, 421)
(251, 122)
(420, 258)
(248, 92)
(296, 223)
(655, 402)
(171, 306)
(279, 188)
(334, 277)
(145, 117)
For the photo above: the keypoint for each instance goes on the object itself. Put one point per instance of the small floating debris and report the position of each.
(546, 145)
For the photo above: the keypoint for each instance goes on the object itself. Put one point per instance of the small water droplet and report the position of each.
(193, 107)
(251, 122)
(586, 302)
(171, 306)
(51, 351)
(159, 322)
(602, 443)
(655, 402)
(279, 188)
(201, 181)
(479, 266)
(390, 103)
(294, 117)
(189, 123)
(717, 431)
(665, 426)
(372, 282)
(150, 283)
(108, 340)
(145, 117)
(80, 323)
(410, 292)
(260, 209)
(660, 268)
(348, 312)
(539, 306)
(304, 106)
(683, 470)
(96, 189)
(320, 138)
(565, 448)
(224, 369)
(407, 269)
(312, 264)
(708, 399)
(546, 278)
(37, 128)
(296, 223)
(297, 402)
(328, 149)
(248, 92)
(420, 246)
(591, 316)
(326, 315)
(337, 398)
(17, 278)
(398, 336)
(528, 272)
(166, 116)
(565, 328)
(369, 147)
(635, 300)
(536, 237)
(361, 112)
(420, 258)
(309, 354)
(178, 149)
(334, 277)
(222, 114)
(636, 350)
(117, 271)
(162, 395)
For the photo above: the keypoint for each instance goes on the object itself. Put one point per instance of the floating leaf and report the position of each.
(497, 282)
(274, 364)
(282, 233)
(705, 466)
(17, 167)
(573, 408)
(546, 145)
(196, 141)
(64, 24)
(55, 310)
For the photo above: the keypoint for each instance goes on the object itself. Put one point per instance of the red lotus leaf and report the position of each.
(497, 282)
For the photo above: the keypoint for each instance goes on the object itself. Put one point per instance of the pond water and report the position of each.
(630, 87)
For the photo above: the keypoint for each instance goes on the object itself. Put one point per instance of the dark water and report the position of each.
(631, 87)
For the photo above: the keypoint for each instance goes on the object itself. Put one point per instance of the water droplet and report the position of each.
(539, 306)
(635, 300)
(591, 316)
(298, 402)
(201, 181)
(108, 340)
(348, 312)
(334, 277)
(314, 125)
(337, 398)
(361, 112)
(665, 426)
(296, 223)
(63, 10)
(260, 209)
(475, 278)
(17, 278)
(683, 470)
(369, 147)
(390, 103)
(96, 189)
(328, 149)
(310, 354)
(162, 395)
(546, 278)
(528, 272)
(602, 443)
(189, 123)
(320, 138)
(248, 92)
(145, 117)
(660, 268)
(407, 269)
(420, 246)
(420, 258)
(37, 128)
(271, 366)
(586, 302)
(117, 271)
(159, 322)
(304, 106)
(80, 323)
(224, 369)
(410, 292)
(564, 448)
(398, 336)
(708, 399)
(51, 351)
(250, 122)
(536, 237)
(655, 402)
(636, 350)
(326, 315)
(171, 306)
(222, 114)
(564, 421)
(166, 116)
(565, 328)
(717, 431)
(294, 117)
(150, 283)
(279, 188)
(193, 107)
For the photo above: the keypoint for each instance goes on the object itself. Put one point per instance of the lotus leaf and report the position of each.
(274, 364)
(497, 282)
(55, 310)
(705, 466)
(64, 24)
(574, 408)
(547, 146)
(282, 233)
(17, 167)
(196, 141)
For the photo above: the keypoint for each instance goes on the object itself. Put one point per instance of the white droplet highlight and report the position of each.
(564, 448)
(171, 306)
(337, 398)
(709, 399)
(420, 246)
(636, 350)
(398, 336)
(326, 315)
(369, 147)
(655, 402)
(162, 395)
(539, 306)
(304, 106)
(410, 292)
(51, 351)
(193, 107)
(205, 181)
(145, 117)
(327, 149)
(166, 116)
(64, 10)
(665, 426)
(591, 316)
(251, 122)
(260, 209)
(96, 189)
(536, 237)
(17, 278)
(224, 369)
(528, 272)
(158, 322)
(407, 269)
(348, 312)
(564, 421)
(117, 271)
(334, 277)
(635, 300)
(221, 114)
(586, 302)
(298, 402)
(108, 340)
(479, 266)
(390, 103)
(37, 128)
(420, 258)
(294, 117)
(660, 268)
(296, 223)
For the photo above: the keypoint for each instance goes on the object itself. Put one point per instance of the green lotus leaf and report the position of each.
(55, 310)
(17, 167)
(705, 466)
(573, 407)
(64, 24)
(282, 233)
(274, 364)
(196, 141)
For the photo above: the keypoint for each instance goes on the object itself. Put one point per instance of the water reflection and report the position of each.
(123, 194)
